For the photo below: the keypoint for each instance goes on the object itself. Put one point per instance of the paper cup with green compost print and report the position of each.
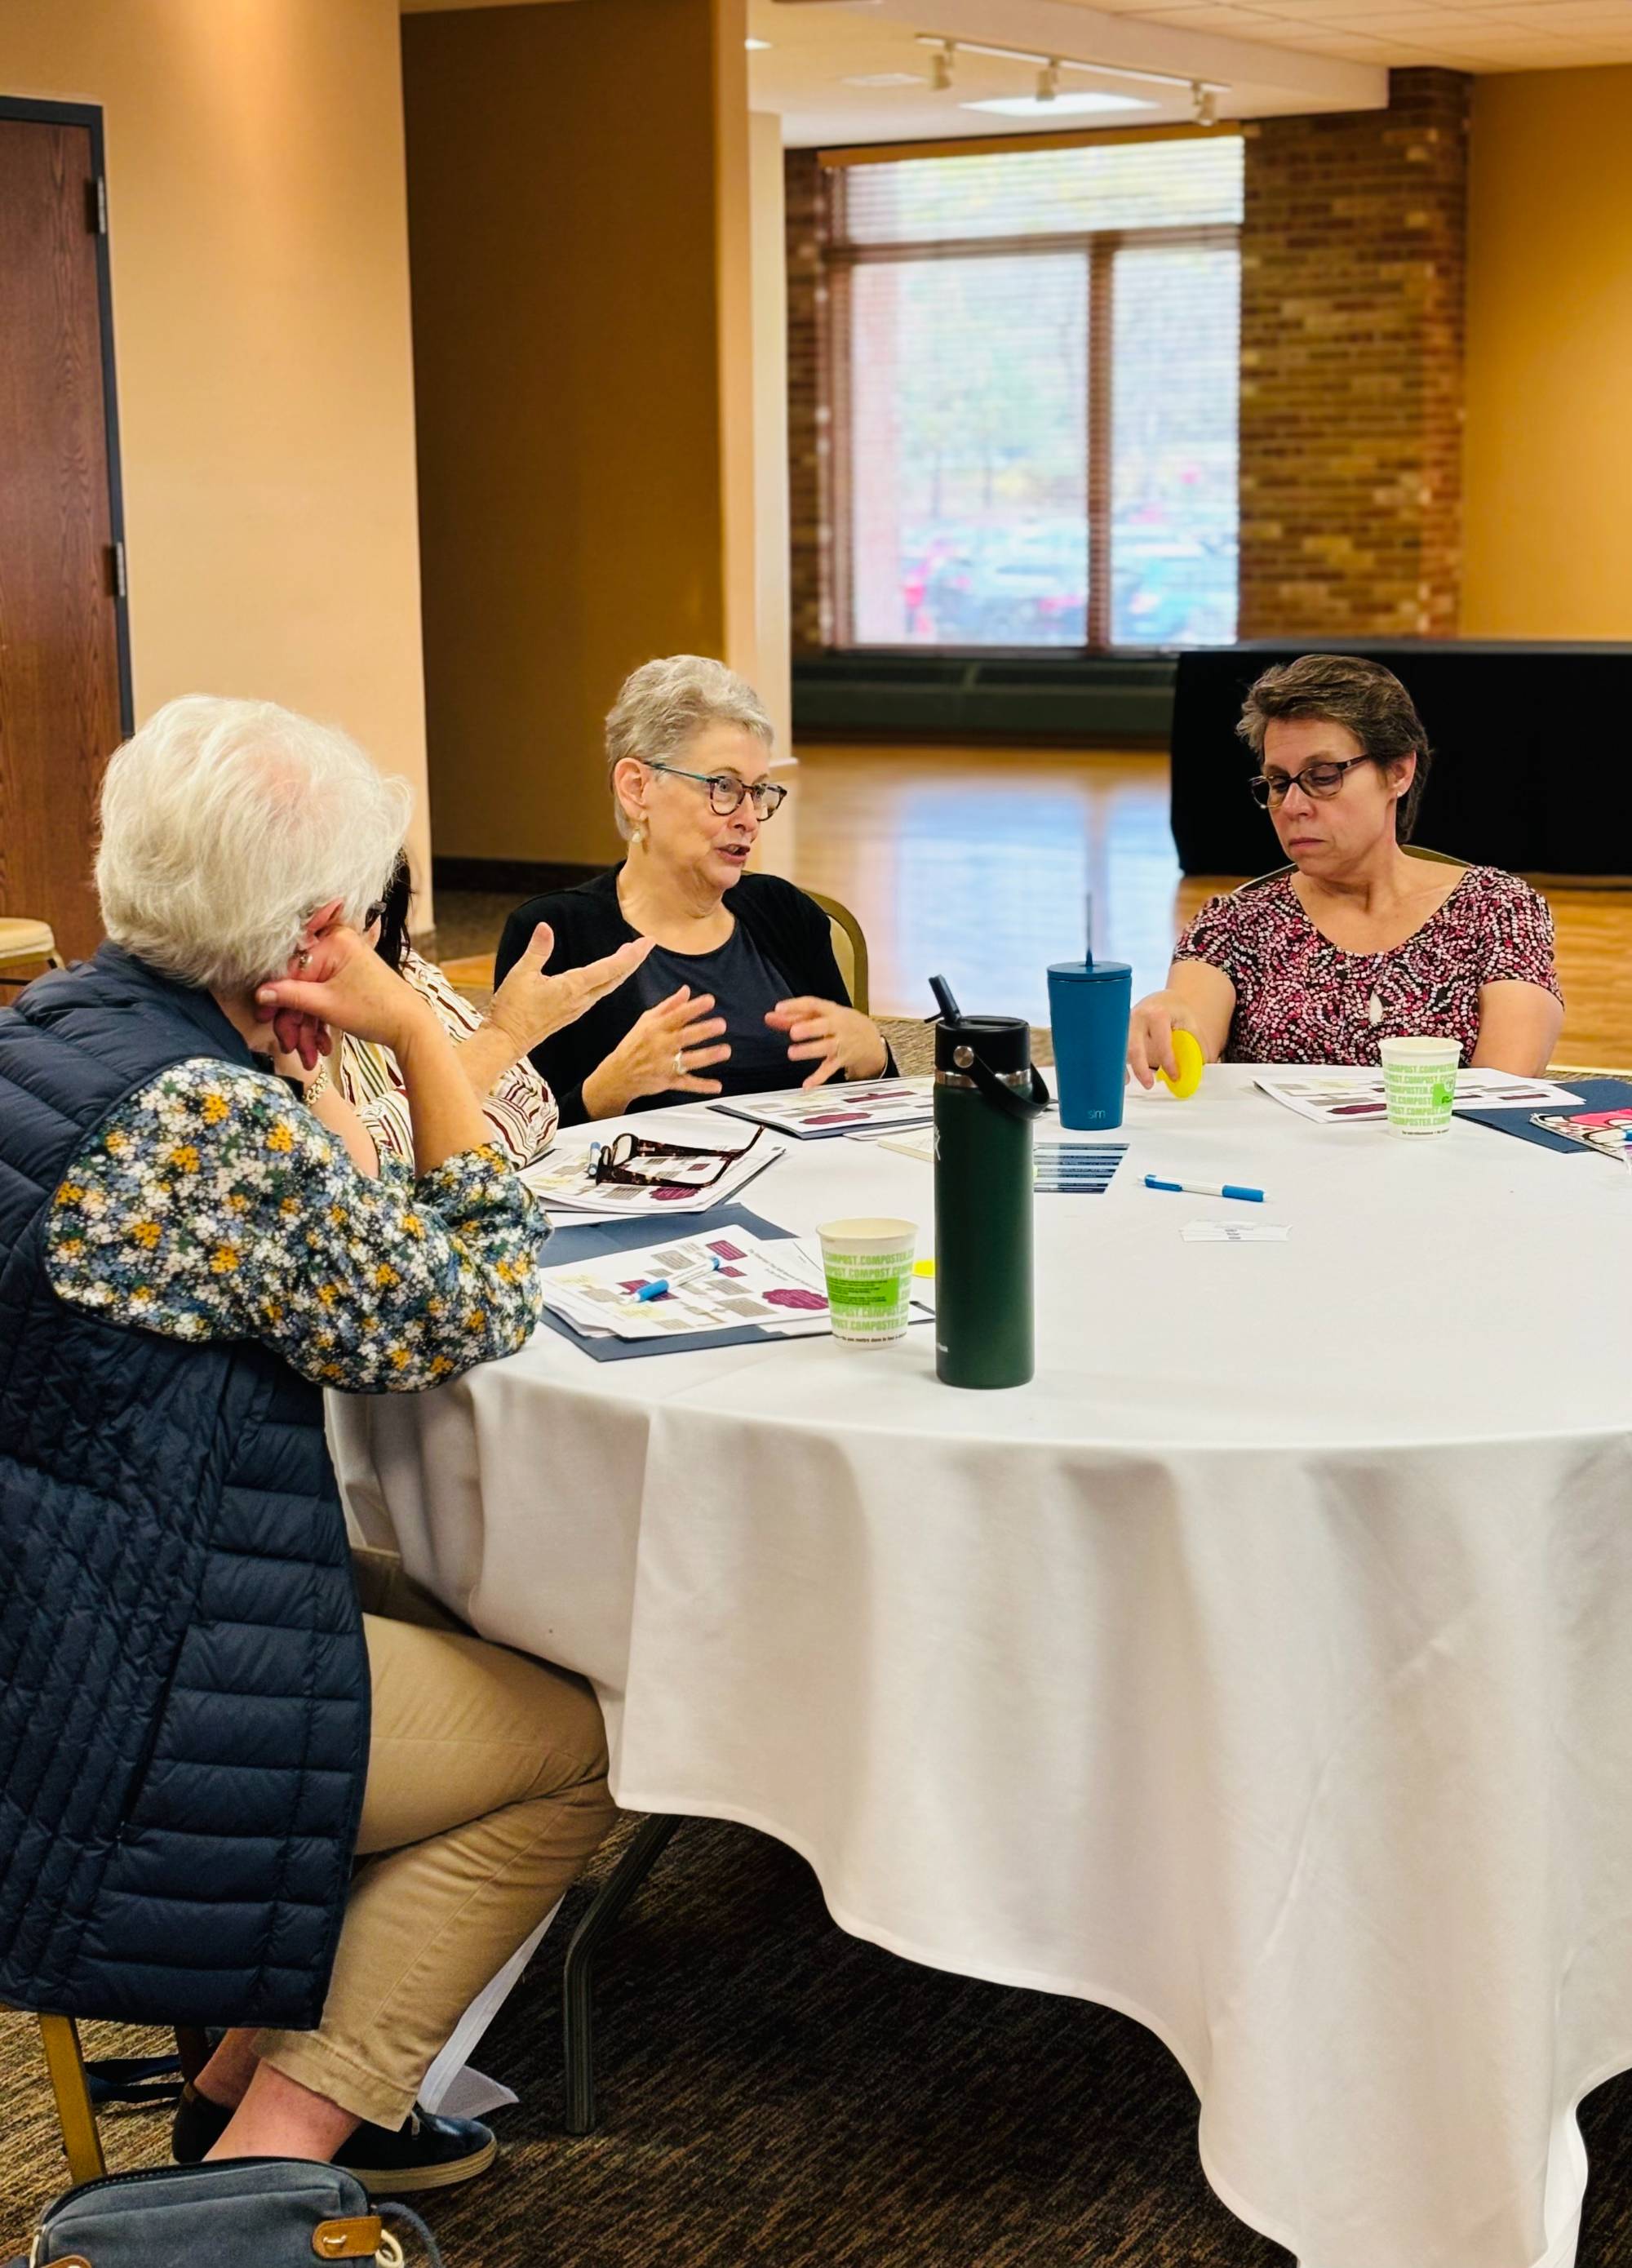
(868, 1265)
(1419, 1077)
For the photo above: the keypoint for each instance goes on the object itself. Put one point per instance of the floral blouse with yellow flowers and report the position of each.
(213, 1205)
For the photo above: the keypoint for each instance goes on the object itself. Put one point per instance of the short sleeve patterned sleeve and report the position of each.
(1214, 935)
(1517, 941)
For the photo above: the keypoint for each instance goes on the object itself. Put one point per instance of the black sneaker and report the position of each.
(426, 2153)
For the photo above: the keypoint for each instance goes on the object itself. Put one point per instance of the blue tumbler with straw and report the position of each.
(1089, 1003)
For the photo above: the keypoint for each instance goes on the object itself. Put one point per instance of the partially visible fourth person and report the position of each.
(359, 1091)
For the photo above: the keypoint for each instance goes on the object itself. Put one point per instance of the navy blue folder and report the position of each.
(1596, 1094)
(595, 1239)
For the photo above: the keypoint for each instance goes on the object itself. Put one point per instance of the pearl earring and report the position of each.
(637, 836)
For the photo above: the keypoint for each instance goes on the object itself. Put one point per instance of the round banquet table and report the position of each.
(1264, 1669)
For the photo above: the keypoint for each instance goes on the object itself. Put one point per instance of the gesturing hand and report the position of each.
(663, 1053)
(529, 1004)
(831, 1036)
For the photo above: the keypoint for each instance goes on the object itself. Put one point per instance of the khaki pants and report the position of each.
(486, 1795)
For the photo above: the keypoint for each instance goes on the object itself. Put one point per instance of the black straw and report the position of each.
(951, 1013)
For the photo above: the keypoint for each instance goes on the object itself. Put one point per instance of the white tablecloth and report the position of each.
(1264, 1669)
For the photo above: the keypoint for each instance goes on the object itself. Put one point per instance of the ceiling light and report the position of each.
(1070, 62)
(945, 54)
(754, 46)
(1032, 106)
(1049, 83)
(885, 78)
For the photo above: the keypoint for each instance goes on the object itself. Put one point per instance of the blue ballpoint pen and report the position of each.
(1205, 1189)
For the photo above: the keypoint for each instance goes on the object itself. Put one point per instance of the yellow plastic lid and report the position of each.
(1188, 1057)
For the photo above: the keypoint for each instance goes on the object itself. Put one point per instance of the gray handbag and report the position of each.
(254, 2212)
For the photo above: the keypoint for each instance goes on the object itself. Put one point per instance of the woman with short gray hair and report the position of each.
(741, 992)
(1357, 940)
(199, 1730)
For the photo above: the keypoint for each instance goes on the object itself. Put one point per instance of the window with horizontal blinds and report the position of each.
(1034, 396)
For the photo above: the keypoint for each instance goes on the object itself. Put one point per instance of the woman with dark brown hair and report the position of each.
(367, 1105)
(1357, 940)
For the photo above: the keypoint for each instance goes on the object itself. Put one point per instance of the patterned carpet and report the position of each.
(774, 2092)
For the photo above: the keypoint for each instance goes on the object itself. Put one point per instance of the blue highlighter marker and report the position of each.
(659, 1284)
(1206, 1190)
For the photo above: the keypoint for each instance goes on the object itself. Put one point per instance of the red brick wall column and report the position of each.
(809, 422)
(1353, 257)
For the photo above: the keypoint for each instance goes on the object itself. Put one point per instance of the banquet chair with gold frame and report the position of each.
(71, 2090)
(24, 943)
(1411, 849)
(72, 2080)
(849, 948)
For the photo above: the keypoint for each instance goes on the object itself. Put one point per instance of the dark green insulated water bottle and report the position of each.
(987, 1094)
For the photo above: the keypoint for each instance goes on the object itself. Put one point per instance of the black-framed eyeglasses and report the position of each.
(1319, 780)
(376, 913)
(726, 791)
(633, 1160)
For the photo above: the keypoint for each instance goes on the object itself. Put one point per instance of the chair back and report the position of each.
(26, 943)
(70, 2089)
(1411, 849)
(849, 948)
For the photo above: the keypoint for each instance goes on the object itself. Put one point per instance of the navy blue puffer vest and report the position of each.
(183, 1683)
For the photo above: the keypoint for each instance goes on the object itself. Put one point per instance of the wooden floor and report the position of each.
(976, 865)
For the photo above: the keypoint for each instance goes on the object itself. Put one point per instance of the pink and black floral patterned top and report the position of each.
(1300, 998)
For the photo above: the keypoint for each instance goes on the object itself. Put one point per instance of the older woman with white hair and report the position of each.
(187, 1255)
(740, 992)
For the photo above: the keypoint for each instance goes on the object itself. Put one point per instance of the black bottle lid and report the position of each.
(1004, 1045)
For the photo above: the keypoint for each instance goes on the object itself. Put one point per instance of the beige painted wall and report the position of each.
(583, 342)
(258, 233)
(1548, 461)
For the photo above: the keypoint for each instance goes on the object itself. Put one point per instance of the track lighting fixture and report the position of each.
(1203, 92)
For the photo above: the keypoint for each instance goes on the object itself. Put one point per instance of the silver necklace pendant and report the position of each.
(1374, 1010)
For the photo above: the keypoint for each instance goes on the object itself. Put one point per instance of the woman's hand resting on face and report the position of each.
(832, 1037)
(344, 986)
(661, 1054)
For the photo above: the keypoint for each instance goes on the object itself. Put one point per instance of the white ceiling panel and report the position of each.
(1271, 55)
(1519, 35)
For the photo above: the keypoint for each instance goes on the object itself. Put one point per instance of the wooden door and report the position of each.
(62, 674)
